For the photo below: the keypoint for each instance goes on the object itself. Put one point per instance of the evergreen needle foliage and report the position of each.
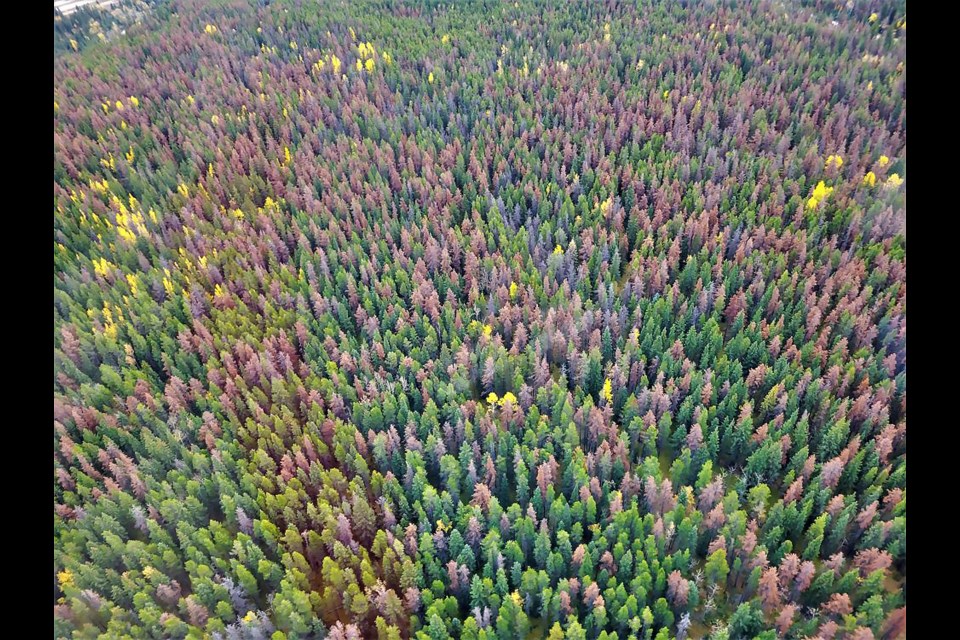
(414, 319)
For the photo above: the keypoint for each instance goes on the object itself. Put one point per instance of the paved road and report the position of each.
(67, 7)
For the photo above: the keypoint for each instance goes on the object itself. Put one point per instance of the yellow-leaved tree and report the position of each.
(820, 192)
(607, 392)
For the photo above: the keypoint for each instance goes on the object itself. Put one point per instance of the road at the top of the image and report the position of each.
(67, 7)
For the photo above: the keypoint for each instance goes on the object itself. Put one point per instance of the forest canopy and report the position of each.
(486, 320)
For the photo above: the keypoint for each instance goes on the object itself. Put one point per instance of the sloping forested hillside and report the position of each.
(409, 319)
